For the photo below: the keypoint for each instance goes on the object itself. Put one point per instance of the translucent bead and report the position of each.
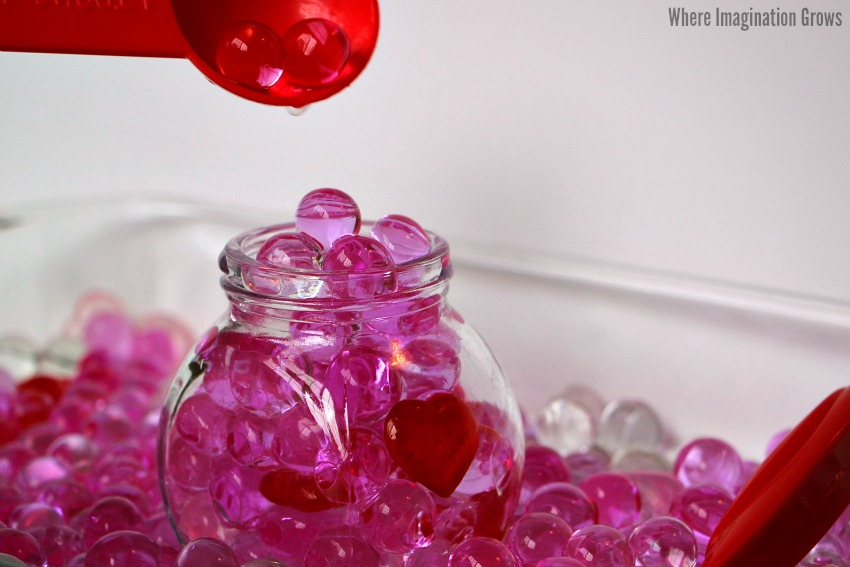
(10, 497)
(206, 551)
(61, 544)
(264, 563)
(289, 532)
(42, 470)
(125, 548)
(341, 548)
(18, 356)
(427, 365)
(13, 459)
(235, 493)
(657, 491)
(315, 52)
(542, 466)
(291, 250)
(709, 461)
(249, 54)
(482, 551)
(23, 546)
(491, 468)
(250, 438)
(664, 542)
(365, 260)
(362, 383)
(202, 424)
(701, 508)
(109, 515)
(326, 215)
(359, 472)
(403, 237)
(560, 562)
(11, 561)
(536, 536)
(629, 423)
(569, 422)
(428, 557)
(188, 467)
(401, 517)
(298, 439)
(34, 515)
(111, 333)
(566, 501)
(638, 459)
(600, 546)
(617, 499)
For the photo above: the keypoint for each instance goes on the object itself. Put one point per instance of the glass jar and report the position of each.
(332, 411)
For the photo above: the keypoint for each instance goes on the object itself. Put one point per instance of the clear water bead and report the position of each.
(402, 236)
(664, 542)
(709, 461)
(569, 422)
(629, 423)
(537, 536)
(291, 250)
(326, 215)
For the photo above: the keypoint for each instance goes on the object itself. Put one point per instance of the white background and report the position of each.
(563, 128)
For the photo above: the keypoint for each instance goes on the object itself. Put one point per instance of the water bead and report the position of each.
(354, 254)
(537, 536)
(111, 333)
(358, 471)
(315, 51)
(126, 548)
(709, 461)
(202, 424)
(187, 466)
(111, 514)
(542, 466)
(291, 250)
(7, 560)
(23, 546)
(492, 466)
(206, 551)
(42, 470)
(289, 532)
(401, 517)
(66, 496)
(657, 491)
(402, 236)
(298, 438)
(664, 542)
(235, 494)
(34, 515)
(629, 423)
(617, 499)
(326, 215)
(14, 458)
(264, 563)
(638, 459)
(249, 54)
(341, 548)
(600, 546)
(566, 501)
(18, 356)
(482, 551)
(701, 508)
(363, 384)
(61, 544)
(560, 562)
(566, 425)
(426, 365)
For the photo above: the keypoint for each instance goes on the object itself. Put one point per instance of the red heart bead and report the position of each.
(433, 440)
(286, 487)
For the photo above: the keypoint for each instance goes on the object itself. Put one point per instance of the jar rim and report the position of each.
(242, 271)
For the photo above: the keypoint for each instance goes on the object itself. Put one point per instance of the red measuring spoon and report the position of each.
(794, 497)
(279, 52)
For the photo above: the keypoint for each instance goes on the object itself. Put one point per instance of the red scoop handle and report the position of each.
(196, 29)
(794, 497)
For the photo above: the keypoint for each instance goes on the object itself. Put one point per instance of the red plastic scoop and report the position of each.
(280, 52)
(794, 497)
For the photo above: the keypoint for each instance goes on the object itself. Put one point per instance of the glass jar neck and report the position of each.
(270, 294)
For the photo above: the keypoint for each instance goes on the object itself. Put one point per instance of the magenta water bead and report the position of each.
(327, 214)
(664, 541)
(709, 461)
(341, 413)
(482, 551)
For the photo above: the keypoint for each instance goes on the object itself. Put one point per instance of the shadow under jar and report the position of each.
(335, 413)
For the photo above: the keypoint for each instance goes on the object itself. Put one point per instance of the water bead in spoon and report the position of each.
(326, 215)
(314, 52)
(403, 237)
(249, 54)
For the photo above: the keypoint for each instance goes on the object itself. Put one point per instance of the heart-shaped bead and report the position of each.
(433, 440)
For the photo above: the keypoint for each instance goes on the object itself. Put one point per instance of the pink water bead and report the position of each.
(249, 54)
(108, 515)
(206, 551)
(566, 501)
(426, 365)
(34, 515)
(401, 517)
(326, 215)
(482, 551)
(664, 542)
(341, 548)
(542, 466)
(536, 536)
(125, 548)
(365, 262)
(202, 424)
(315, 51)
(560, 562)
(617, 499)
(362, 382)
(299, 437)
(61, 544)
(600, 546)
(402, 236)
(700, 508)
(42, 470)
(23, 546)
(709, 461)
(291, 250)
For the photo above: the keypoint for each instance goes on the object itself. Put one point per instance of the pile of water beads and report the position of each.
(602, 484)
